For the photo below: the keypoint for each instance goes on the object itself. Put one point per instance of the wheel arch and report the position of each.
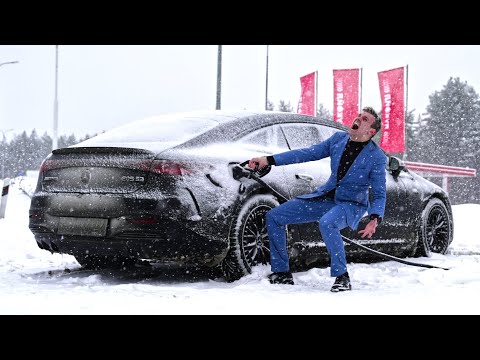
(423, 248)
(242, 256)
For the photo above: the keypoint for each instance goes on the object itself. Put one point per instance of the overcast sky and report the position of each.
(103, 86)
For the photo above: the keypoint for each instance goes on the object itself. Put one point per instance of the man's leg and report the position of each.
(330, 225)
(295, 211)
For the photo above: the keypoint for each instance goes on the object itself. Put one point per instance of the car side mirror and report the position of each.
(395, 165)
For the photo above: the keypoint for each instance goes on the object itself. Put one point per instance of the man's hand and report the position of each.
(369, 229)
(257, 162)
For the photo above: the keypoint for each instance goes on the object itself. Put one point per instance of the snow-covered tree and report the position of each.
(270, 106)
(322, 112)
(285, 107)
(450, 135)
(412, 128)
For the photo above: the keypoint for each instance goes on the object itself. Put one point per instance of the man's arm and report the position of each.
(311, 153)
(378, 180)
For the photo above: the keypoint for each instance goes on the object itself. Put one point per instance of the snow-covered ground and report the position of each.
(32, 281)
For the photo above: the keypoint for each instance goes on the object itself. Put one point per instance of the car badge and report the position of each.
(85, 178)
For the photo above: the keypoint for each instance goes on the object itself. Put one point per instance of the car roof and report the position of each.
(230, 117)
(237, 122)
(224, 116)
(193, 128)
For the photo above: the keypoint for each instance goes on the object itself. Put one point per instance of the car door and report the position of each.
(266, 141)
(306, 177)
(392, 232)
(304, 239)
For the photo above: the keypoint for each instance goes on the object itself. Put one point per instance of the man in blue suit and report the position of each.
(357, 165)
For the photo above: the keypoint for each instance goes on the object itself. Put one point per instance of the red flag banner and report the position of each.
(345, 95)
(393, 109)
(306, 104)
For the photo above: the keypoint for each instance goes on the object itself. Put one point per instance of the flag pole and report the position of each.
(316, 92)
(405, 113)
(361, 80)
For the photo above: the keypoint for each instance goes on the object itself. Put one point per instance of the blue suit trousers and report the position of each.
(331, 217)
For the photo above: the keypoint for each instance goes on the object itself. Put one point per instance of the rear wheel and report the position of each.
(436, 232)
(249, 245)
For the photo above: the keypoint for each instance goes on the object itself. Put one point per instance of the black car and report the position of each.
(172, 190)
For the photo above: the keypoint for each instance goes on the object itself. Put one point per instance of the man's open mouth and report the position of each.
(355, 125)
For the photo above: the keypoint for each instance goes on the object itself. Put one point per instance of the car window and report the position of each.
(300, 135)
(163, 128)
(326, 131)
(270, 137)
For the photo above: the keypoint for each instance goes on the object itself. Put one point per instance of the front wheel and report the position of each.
(249, 245)
(436, 230)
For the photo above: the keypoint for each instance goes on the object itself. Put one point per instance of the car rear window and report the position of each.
(164, 128)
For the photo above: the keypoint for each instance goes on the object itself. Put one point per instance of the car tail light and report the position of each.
(165, 167)
(168, 168)
(142, 220)
(48, 164)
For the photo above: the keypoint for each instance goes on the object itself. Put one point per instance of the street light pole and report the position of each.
(219, 78)
(55, 104)
(5, 131)
(266, 84)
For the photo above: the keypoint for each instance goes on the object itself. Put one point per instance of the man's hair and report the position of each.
(377, 124)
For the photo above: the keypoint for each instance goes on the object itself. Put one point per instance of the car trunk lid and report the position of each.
(95, 170)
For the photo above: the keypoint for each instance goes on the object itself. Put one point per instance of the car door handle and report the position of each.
(304, 177)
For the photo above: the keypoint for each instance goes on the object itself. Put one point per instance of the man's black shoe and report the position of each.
(281, 278)
(342, 283)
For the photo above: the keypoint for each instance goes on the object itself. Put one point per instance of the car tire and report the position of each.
(249, 245)
(436, 229)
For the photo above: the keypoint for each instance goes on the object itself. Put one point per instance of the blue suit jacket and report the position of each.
(352, 191)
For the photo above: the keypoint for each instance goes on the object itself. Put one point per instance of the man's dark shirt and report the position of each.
(352, 149)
